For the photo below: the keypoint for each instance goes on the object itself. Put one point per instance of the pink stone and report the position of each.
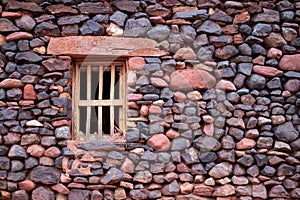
(223, 191)
(52, 152)
(136, 63)
(144, 110)
(274, 53)
(267, 71)
(155, 109)
(15, 15)
(26, 185)
(292, 85)
(226, 85)
(29, 93)
(134, 97)
(19, 36)
(208, 129)
(60, 188)
(159, 142)
(179, 97)
(290, 62)
(190, 79)
(245, 143)
(35, 150)
(171, 133)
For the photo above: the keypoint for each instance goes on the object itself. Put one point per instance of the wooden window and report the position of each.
(99, 101)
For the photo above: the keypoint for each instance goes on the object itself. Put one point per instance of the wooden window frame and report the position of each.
(88, 103)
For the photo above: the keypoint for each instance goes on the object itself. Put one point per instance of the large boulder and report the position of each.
(190, 79)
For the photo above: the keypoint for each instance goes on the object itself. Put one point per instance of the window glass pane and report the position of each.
(94, 120)
(106, 119)
(82, 121)
(117, 84)
(95, 83)
(106, 85)
(83, 86)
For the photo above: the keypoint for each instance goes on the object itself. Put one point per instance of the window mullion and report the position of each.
(88, 113)
(100, 98)
(112, 94)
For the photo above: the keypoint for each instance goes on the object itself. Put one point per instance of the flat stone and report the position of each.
(290, 62)
(19, 36)
(29, 6)
(210, 27)
(157, 10)
(11, 83)
(60, 188)
(68, 20)
(267, 71)
(269, 16)
(47, 29)
(42, 193)
(114, 176)
(226, 52)
(127, 5)
(45, 175)
(7, 26)
(53, 64)
(190, 79)
(61, 9)
(27, 57)
(191, 14)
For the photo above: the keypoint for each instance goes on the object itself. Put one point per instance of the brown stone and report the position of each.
(275, 40)
(190, 79)
(159, 142)
(11, 83)
(241, 18)
(19, 36)
(292, 85)
(29, 93)
(224, 191)
(105, 46)
(61, 9)
(157, 10)
(60, 188)
(203, 190)
(246, 143)
(136, 63)
(185, 54)
(290, 62)
(27, 185)
(267, 71)
(29, 6)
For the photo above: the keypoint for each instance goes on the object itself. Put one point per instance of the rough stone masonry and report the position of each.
(215, 117)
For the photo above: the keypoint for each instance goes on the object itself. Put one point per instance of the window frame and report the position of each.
(112, 103)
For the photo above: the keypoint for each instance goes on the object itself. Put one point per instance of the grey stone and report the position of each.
(27, 57)
(210, 27)
(262, 30)
(286, 132)
(7, 26)
(26, 23)
(63, 132)
(47, 29)
(159, 32)
(119, 18)
(137, 27)
(256, 81)
(17, 151)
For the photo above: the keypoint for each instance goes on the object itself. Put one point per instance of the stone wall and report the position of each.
(217, 117)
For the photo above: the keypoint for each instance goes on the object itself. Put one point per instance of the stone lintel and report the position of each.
(82, 46)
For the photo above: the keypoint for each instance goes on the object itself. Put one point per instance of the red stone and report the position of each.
(19, 36)
(26, 185)
(52, 152)
(290, 62)
(136, 63)
(60, 188)
(35, 150)
(190, 79)
(245, 143)
(29, 93)
(274, 53)
(267, 71)
(159, 142)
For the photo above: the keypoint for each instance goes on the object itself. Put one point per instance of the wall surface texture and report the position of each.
(213, 109)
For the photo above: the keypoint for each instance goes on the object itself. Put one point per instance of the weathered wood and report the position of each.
(81, 46)
(112, 97)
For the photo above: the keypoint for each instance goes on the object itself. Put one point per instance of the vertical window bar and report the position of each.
(88, 113)
(112, 92)
(122, 95)
(100, 98)
(77, 97)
